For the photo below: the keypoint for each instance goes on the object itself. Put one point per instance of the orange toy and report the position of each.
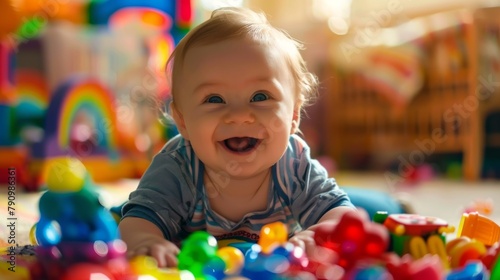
(15, 13)
(11, 19)
(479, 227)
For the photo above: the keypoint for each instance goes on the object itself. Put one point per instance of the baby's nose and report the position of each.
(239, 115)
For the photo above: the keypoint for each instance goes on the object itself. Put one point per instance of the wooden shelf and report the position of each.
(493, 140)
(366, 120)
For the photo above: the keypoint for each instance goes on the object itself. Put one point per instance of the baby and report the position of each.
(238, 87)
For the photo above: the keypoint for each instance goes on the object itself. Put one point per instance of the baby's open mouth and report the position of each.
(241, 144)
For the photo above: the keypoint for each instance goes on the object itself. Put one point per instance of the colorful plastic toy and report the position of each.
(272, 235)
(495, 271)
(259, 265)
(100, 12)
(76, 235)
(412, 224)
(233, 258)
(462, 250)
(474, 270)
(354, 248)
(199, 254)
(353, 238)
(429, 267)
(418, 235)
(12, 19)
(491, 256)
(147, 268)
(101, 148)
(368, 272)
(71, 204)
(479, 227)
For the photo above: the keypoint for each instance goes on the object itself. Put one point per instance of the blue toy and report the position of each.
(471, 271)
(74, 228)
(76, 209)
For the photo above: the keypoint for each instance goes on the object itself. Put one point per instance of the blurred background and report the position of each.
(407, 86)
(409, 89)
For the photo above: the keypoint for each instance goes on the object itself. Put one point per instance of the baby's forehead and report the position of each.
(203, 57)
(195, 53)
(265, 42)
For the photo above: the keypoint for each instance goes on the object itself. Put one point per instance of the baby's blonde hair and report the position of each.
(231, 23)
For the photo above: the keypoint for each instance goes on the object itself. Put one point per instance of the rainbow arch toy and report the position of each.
(82, 104)
(71, 98)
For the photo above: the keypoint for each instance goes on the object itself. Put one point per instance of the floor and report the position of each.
(445, 199)
(441, 198)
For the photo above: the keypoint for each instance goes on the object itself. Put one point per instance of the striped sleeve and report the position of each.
(312, 192)
(166, 192)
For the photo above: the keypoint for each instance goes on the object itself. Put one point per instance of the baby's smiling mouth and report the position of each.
(241, 144)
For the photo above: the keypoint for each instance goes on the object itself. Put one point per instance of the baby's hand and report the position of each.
(304, 240)
(164, 251)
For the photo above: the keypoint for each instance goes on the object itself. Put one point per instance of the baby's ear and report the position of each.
(179, 120)
(295, 120)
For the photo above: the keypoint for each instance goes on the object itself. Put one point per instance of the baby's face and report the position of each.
(236, 105)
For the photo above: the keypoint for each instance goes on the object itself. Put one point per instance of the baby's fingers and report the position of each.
(305, 241)
(165, 255)
(141, 251)
(298, 242)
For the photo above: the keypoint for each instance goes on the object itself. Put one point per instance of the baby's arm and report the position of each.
(332, 216)
(145, 238)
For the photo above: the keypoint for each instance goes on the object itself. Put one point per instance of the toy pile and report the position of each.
(78, 239)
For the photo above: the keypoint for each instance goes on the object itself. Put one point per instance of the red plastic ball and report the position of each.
(87, 271)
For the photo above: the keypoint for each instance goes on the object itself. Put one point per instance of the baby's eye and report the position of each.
(259, 96)
(214, 99)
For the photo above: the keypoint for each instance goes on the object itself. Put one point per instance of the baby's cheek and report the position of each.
(277, 125)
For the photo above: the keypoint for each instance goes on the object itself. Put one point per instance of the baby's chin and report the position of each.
(239, 169)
